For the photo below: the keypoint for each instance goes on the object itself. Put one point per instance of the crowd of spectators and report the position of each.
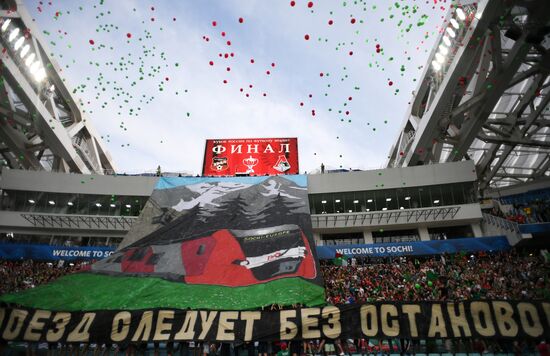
(20, 275)
(532, 212)
(503, 275)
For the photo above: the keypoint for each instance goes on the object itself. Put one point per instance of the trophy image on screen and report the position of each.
(250, 162)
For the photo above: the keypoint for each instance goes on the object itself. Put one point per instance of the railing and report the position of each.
(65, 221)
(375, 218)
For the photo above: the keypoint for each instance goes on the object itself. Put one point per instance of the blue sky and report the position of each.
(118, 76)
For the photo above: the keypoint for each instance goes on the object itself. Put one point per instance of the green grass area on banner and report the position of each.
(91, 291)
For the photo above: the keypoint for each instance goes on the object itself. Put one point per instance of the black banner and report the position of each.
(424, 320)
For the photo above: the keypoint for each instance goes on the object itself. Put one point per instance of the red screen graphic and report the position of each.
(251, 156)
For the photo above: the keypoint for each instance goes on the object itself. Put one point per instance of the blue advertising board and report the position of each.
(416, 248)
(13, 251)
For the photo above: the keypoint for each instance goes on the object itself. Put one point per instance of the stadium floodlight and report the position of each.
(444, 50)
(368, 209)
(384, 209)
(31, 201)
(5, 25)
(51, 202)
(112, 205)
(322, 202)
(70, 203)
(460, 14)
(447, 40)
(355, 201)
(30, 59)
(436, 65)
(407, 198)
(439, 58)
(13, 34)
(98, 205)
(388, 199)
(40, 74)
(337, 201)
(401, 208)
(34, 67)
(436, 201)
(128, 206)
(454, 23)
(19, 43)
(369, 200)
(451, 32)
(350, 211)
(25, 50)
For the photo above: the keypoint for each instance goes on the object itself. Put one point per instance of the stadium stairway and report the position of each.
(493, 225)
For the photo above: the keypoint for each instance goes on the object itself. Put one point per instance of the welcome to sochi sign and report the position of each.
(416, 248)
(14, 251)
(250, 156)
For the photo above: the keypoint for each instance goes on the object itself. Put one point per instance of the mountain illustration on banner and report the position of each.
(216, 243)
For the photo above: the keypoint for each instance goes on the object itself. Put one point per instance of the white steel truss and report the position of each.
(487, 98)
(42, 126)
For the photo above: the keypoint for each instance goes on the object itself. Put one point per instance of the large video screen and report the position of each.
(250, 156)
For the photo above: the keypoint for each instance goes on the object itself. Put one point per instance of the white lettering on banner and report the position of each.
(287, 147)
(269, 149)
(218, 149)
(81, 253)
(237, 148)
(373, 250)
(252, 148)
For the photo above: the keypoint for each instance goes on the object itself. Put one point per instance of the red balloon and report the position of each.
(214, 23)
(306, 37)
(211, 63)
(252, 60)
(229, 43)
(268, 72)
(129, 35)
(241, 20)
(390, 83)
(310, 4)
(92, 42)
(351, 53)
(352, 20)
(330, 22)
(321, 74)
(273, 64)
(292, 3)
(223, 34)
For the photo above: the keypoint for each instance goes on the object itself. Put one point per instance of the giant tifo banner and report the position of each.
(496, 319)
(9, 251)
(417, 248)
(202, 243)
(251, 156)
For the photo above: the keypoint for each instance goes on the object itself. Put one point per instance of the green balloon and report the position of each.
(430, 283)
(417, 286)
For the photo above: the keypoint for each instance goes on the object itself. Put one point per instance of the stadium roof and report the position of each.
(42, 126)
(484, 94)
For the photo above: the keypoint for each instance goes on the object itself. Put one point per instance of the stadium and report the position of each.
(442, 250)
